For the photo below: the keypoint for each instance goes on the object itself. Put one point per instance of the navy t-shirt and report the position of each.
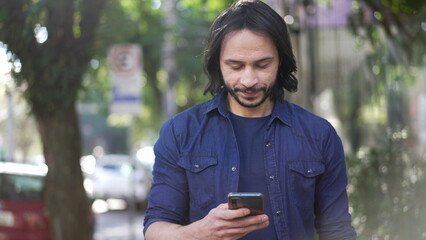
(250, 134)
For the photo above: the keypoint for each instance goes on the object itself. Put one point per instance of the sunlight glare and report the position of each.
(100, 206)
(156, 4)
(5, 66)
(41, 33)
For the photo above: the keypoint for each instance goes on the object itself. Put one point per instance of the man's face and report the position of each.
(249, 64)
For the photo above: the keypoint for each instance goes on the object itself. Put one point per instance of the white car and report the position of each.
(117, 177)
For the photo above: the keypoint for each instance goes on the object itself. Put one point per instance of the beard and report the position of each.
(267, 91)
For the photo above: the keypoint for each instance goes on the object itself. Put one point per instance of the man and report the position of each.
(248, 139)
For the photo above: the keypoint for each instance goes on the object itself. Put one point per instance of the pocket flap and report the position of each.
(197, 164)
(307, 168)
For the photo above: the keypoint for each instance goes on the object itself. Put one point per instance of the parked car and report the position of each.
(22, 210)
(118, 177)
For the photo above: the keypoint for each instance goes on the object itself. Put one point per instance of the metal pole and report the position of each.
(310, 9)
(133, 201)
(10, 126)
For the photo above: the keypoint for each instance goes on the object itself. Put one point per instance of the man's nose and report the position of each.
(249, 77)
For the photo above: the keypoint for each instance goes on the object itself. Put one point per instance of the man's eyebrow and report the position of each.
(232, 61)
(264, 59)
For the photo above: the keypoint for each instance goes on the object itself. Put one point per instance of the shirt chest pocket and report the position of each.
(197, 164)
(302, 182)
(308, 169)
(201, 174)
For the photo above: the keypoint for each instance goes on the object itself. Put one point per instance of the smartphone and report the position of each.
(250, 200)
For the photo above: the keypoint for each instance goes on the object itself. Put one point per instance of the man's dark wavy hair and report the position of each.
(258, 17)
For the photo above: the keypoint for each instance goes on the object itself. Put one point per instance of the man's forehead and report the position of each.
(238, 31)
(246, 43)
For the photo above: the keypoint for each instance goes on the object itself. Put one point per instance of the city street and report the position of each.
(119, 225)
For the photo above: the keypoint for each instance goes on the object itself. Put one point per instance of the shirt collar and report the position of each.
(283, 112)
(219, 103)
(282, 109)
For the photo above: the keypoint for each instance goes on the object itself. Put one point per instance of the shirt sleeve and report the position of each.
(333, 220)
(168, 200)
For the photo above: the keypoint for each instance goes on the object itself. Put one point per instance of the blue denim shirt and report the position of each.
(197, 165)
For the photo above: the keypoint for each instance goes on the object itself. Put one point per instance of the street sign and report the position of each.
(126, 78)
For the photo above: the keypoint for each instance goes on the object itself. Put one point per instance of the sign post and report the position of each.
(126, 81)
(126, 78)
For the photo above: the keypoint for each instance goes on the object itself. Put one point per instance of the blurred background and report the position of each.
(87, 85)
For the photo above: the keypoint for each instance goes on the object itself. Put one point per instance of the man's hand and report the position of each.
(223, 223)
(220, 223)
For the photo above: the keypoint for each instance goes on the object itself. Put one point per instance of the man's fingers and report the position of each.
(225, 223)
(243, 228)
(223, 206)
(228, 214)
(236, 213)
(252, 220)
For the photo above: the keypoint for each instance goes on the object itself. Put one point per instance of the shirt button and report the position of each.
(234, 169)
(272, 177)
(278, 213)
(268, 145)
(196, 166)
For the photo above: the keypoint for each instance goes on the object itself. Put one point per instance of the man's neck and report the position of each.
(265, 109)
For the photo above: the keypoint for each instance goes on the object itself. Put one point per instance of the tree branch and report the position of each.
(385, 22)
(90, 14)
(60, 20)
(15, 29)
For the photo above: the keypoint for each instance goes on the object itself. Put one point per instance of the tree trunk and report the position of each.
(68, 209)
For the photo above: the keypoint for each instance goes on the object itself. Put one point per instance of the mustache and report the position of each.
(250, 89)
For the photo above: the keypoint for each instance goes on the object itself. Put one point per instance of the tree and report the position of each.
(52, 75)
(399, 20)
(387, 180)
